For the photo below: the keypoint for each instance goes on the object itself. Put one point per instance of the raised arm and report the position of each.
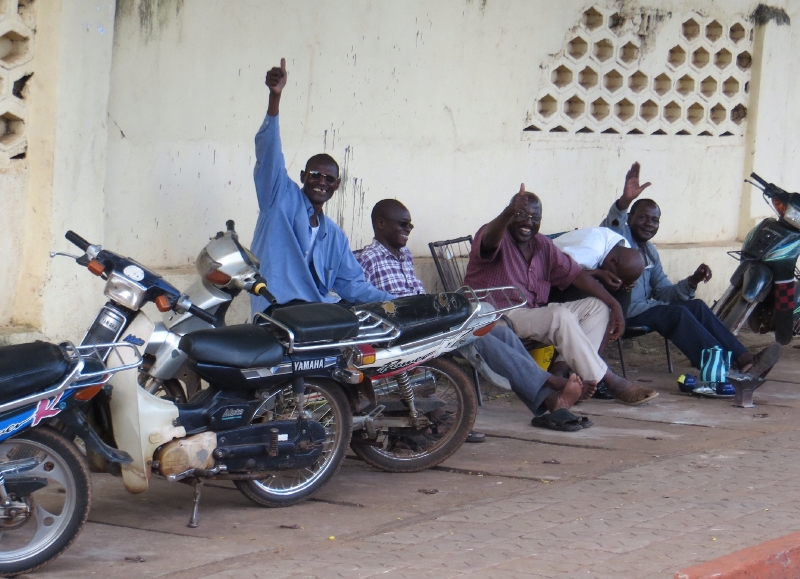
(493, 234)
(618, 214)
(270, 170)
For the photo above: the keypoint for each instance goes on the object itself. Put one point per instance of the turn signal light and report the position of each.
(88, 393)
(779, 205)
(162, 303)
(217, 277)
(367, 354)
(484, 330)
(96, 267)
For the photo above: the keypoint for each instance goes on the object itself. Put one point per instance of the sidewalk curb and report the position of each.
(775, 559)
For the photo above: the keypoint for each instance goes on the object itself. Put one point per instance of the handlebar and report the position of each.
(260, 289)
(203, 315)
(77, 240)
(230, 225)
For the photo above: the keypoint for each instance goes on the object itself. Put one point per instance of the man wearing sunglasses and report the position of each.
(509, 250)
(304, 255)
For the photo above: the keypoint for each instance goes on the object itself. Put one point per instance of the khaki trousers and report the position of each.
(576, 329)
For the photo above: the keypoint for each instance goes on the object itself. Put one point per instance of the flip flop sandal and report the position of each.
(585, 422)
(561, 419)
(630, 396)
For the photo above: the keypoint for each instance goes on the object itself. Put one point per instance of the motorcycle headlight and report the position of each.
(125, 291)
(792, 215)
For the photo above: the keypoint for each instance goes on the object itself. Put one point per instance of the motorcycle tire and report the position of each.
(413, 451)
(50, 518)
(329, 406)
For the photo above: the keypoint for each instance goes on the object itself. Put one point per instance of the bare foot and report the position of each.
(587, 389)
(567, 396)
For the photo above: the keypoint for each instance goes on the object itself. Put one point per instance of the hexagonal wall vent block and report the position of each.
(722, 59)
(628, 53)
(599, 109)
(624, 110)
(648, 110)
(13, 48)
(662, 84)
(744, 60)
(739, 114)
(561, 77)
(690, 29)
(730, 87)
(616, 23)
(12, 129)
(718, 114)
(677, 56)
(685, 85)
(587, 78)
(737, 32)
(577, 47)
(603, 50)
(637, 82)
(700, 57)
(708, 86)
(546, 106)
(695, 113)
(714, 31)
(612, 81)
(574, 107)
(592, 19)
(558, 129)
(672, 112)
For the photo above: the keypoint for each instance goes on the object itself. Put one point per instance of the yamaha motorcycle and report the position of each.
(414, 405)
(763, 291)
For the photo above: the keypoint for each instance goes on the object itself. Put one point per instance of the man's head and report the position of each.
(320, 179)
(643, 219)
(527, 217)
(625, 263)
(391, 223)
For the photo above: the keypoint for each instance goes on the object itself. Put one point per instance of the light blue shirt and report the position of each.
(282, 239)
(653, 288)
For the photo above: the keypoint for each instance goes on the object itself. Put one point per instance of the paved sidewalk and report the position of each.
(644, 493)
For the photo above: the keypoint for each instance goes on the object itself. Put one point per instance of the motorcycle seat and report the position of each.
(240, 346)
(29, 368)
(422, 315)
(318, 322)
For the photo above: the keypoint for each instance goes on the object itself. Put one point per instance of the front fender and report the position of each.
(757, 281)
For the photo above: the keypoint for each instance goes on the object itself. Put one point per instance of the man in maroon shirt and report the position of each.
(509, 250)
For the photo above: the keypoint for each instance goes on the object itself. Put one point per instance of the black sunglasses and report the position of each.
(405, 224)
(317, 175)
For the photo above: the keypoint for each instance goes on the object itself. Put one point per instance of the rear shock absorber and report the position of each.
(407, 392)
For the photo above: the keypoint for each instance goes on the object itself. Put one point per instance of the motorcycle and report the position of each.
(764, 288)
(415, 405)
(45, 485)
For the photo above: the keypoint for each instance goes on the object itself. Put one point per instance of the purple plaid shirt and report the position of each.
(387, 273)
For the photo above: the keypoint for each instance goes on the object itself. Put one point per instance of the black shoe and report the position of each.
(475, 437)
(602, 392)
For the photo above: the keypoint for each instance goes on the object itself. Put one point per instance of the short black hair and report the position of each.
(383, 206)
(641, 203)
(324, 158)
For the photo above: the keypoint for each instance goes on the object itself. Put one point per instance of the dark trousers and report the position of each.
(691, 326)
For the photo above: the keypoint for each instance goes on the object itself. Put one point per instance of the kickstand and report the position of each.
(198, 489)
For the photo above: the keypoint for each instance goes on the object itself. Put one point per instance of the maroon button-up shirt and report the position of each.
(549, 266)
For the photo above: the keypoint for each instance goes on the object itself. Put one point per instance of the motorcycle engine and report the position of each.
(180, 455)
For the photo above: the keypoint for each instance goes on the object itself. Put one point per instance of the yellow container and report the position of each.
(543, 356)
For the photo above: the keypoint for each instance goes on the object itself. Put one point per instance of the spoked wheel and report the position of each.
(445, 396)
(328, 405)
(49, 503)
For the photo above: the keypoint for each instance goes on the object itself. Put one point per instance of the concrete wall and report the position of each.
(425, 102)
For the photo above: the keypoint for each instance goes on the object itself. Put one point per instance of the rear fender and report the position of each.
(757, 282)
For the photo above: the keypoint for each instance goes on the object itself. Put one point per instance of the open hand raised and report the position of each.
(276, 78)
(632, 188)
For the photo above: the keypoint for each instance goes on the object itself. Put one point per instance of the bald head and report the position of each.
(391, 223)
(626, 263)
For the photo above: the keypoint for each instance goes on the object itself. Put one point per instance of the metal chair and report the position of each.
(635, 332)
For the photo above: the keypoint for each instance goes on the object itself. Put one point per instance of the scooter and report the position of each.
(763, 290)
(415, 406)
(45, 485)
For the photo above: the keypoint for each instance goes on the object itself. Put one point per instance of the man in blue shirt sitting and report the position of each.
(304, 255)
